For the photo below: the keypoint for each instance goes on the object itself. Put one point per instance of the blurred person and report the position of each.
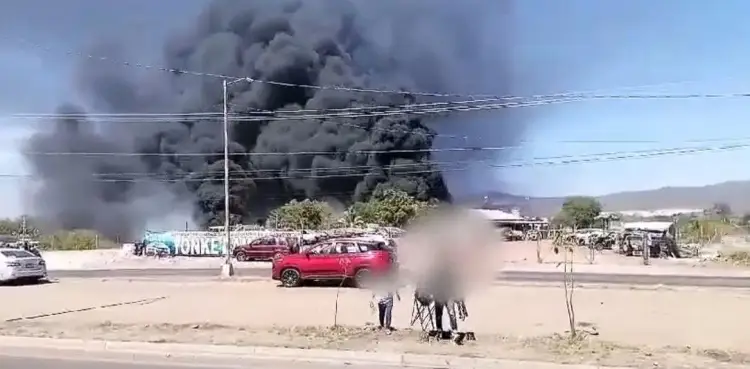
(385, 288)
(445, 291)
(140, 248)
(31, 248)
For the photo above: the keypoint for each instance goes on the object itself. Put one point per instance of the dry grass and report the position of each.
(587, 348)
(700, 327)
(739, 258)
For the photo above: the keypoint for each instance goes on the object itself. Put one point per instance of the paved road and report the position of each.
(86, 361)
(507, 276)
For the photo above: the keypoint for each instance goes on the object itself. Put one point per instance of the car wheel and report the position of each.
(361, 278)
(290, 278)
(241, 256)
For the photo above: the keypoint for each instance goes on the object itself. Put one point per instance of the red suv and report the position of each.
(340, 259)
(264, 248)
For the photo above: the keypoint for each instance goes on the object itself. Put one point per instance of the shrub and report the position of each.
(69, 240)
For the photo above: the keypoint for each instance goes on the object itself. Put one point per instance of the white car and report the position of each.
(18, 264)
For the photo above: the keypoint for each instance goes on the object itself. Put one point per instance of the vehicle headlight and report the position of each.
(13, 264)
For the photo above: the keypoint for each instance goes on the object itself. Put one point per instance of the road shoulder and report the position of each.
(196, 354)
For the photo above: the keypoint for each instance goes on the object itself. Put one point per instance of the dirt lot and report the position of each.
(507, 255)
(636, 327)
(523, 253)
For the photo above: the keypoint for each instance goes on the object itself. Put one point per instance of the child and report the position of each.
(382, 295)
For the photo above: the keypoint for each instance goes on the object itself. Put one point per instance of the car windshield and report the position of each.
(16, 254)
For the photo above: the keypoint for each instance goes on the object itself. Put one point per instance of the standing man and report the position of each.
(385, 289)
(445, 291)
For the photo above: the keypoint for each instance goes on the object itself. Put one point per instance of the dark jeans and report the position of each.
(450, 307)
(385, 310)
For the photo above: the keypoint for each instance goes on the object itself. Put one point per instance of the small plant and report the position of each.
(569, 285)
(594, 247)
(738, 257)
(345, 264)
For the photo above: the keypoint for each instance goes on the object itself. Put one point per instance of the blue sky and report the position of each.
(35, 79)
(571, 45)
(603, 45)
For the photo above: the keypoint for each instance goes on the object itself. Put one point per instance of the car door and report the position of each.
(329, 263)
(281, 247)
(266, 249)
(316, 261)
(347, 254)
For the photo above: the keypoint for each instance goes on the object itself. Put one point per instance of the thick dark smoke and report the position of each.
(414, 45)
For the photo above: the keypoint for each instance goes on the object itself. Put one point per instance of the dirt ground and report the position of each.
(523, 253)
(685, 327)
(520, 255)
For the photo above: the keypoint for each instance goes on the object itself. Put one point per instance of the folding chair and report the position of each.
(423, 311)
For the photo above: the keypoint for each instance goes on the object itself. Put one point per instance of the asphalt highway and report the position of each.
(88, 361)
(505, 276)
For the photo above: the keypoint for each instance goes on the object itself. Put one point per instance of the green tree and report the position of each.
(352, 217)
(579, 211)
(9, 226)
(307, 214)
(561, 219)
(391, 207)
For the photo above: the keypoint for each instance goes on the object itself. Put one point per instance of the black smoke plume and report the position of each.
(384, 44)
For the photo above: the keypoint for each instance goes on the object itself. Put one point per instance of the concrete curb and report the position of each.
(277, 353)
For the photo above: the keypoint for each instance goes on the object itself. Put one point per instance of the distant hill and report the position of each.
(736, 194)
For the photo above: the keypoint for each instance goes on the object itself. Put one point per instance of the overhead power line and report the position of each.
(280, 116)
(145, 116)
(384, 151)
(592, 158)
(472, 96)
(369, 111)
(261, 116)
(328, 114)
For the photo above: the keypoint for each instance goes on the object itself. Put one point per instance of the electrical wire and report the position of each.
(145, 116)
(326, 118)
(263, 116)
(326, 114)
(365, 152)
(441, 107)
(233, 79)
(450, 106)
(604, 157)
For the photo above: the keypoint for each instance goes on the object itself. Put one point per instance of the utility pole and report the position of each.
(23, 226)
(227, 269)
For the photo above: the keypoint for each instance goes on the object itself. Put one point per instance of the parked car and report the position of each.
(19, 264)
(265, 248)
(586, 236)
(339, 260)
